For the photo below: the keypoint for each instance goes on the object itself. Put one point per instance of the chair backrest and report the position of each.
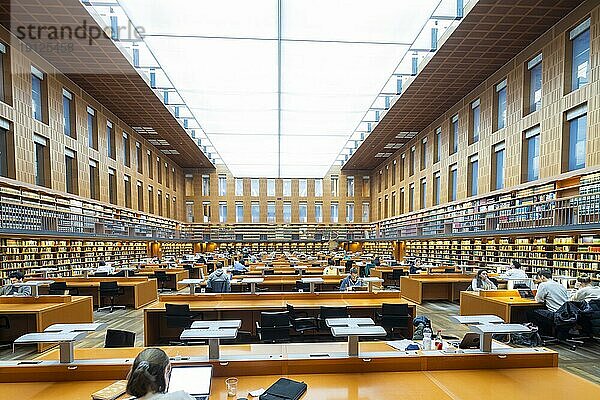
(57, 288)
(219, 286)
(291, 311)
(178, 315)
(109, 288)
(274, 319)
(161, 275)
(269, 272)
(120, 274)
(397, 273)
(400, 310)
(333, 312)
(119, 338)
(302, 286)
(100, 274)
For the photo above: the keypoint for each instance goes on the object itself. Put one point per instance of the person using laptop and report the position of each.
(149, 377)
(11, 289)
(219, 281)
(351, 280)
(515, 272)
(553, 295)
(585, 290)
(482, 281)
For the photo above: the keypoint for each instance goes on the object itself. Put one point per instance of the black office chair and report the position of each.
(274, 327)
(300, 320)
(162, 278)
(269, 271)
(394, 316)
(217, 287)
(302, 287)
(111, 290)
(5, 325)
(326, 312)
(120, 274)
(397, 273)
(100, 274)
(179, 316)
(117, 338)
(349, 266)
(61, 289)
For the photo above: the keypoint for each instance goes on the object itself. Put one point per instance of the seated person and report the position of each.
(11, 290)
(351, 280)
(370, 264)
(330, 268)
(553, 295)
(482, 281)
(239, 266)
(515, 272)
(149, 376)
(104, 268)
(219, 275)
(585, 290)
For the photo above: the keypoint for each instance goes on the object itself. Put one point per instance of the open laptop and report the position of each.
(469, 341)
(526, 294)
(192, 379)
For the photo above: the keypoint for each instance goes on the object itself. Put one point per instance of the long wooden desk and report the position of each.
(506, 304)
(34, 314)
(177, 274)
(419, 288)
(247, 307)
(138, 292)
(287, 283)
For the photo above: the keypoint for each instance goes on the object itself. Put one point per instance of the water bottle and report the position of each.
(427, 338)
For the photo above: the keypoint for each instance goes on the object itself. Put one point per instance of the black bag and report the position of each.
(284, 389)
(529, 339)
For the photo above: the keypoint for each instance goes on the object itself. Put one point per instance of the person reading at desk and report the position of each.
(218, 281)
(11, 289)
(103, 268)
(482, 281)
(238, 266)
(149, 377)
(351, 280)
(515, 272)
(330, 268)
(585, 290)
(553, 295)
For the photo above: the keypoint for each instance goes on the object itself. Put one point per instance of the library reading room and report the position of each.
(363, 200)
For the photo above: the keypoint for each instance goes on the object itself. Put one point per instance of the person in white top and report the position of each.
(515, 272)
(482, 281)
(553, 295)
(149, 377)
(585, 290)
(103, 267)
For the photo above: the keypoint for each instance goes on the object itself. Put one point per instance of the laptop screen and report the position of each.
(194, 380)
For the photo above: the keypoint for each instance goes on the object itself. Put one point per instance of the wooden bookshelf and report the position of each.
(378, 248)
(176, 249)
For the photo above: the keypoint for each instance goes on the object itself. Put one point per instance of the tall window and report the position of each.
(393, 205)
(159, 203)
(475, 122)
(239, 187)
(473, 175)
(411, 161)
(366, 212)
(579, 41)
(302, 212)
(255, 211)
(206, 211)
(239, 212)
(318, 187)
(139, 159)
(380, 180)
(350, 186)
(150, 200)
(158, 170)
(302, 187)
(140, 198)
(222, 185)
(437, 188)
(287, 187)
(126, 150)
(453, 182)
(110, 140)
(166, 174)
(167, 206)
(386, 176)
(394, 166)
(575, 138)
(92, 128)
(271, 187)
(127, 190)
(7, 151)
(379, 209)
(39, 101)
(222, 212)
(423, 193)
(68, 113)
(500, 105)
(411, 197)
(533, 81)
(334, 213)
(112, 186)
(335, 190)
(531, 154)
(255, 187)
(271, 216)
(401, 202)
(498, 157)
(402, 161)
(350, 212)
(150, 164)
(454, 135)
(189, 211)
(94, 180)
(423, 153)
(287, 212)
(5, 90)
(71, 171)
(437, 145)
(206, 185)
(42, 160)
(174, 179)
(319, 212)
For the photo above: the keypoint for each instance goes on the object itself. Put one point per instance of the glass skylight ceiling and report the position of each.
(279, 86)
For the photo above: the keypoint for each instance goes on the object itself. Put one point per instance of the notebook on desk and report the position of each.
(192, 379)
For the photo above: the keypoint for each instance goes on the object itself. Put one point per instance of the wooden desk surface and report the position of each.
(439, 279)
(498, 384)
(37, 306)
(509, 298)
